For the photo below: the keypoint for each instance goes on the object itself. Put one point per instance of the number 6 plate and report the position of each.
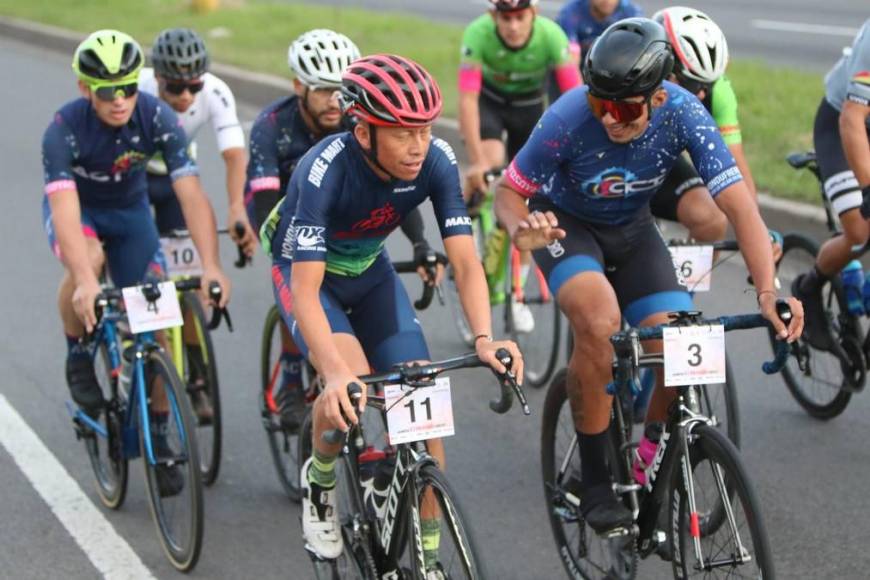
(419, 414)
(694, 265)
(694, 355)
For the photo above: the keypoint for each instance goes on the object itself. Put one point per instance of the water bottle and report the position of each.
(368, 462)
(385, 469)
(852, 277)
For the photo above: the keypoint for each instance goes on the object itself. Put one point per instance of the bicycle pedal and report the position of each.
(619, 532)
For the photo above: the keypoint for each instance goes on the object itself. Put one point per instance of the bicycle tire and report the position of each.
(283, 444)
(183, 548)
(209, 434)
(463, 560)
(821, 401)
(107, 456)
(451, 297)
(712, 447)
(539, 363)
(710, 398)
(575, 541)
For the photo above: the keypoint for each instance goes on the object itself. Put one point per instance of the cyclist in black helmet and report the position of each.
(588, 172)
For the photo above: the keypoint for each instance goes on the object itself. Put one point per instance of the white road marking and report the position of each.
(106, 550)
(808, 28)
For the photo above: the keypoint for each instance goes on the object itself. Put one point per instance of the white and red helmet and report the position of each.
(699, 44)
(511, 5)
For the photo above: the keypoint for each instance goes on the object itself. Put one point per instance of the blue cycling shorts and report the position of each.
(373, 307)
(129, 238)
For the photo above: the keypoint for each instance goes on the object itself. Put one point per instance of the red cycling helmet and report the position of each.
(390, 91)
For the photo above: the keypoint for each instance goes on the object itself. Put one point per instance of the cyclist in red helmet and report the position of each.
(350, 313)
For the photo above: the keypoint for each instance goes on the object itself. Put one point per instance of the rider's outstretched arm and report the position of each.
(853, 134)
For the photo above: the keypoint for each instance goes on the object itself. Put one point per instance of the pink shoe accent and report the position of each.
(643, 457)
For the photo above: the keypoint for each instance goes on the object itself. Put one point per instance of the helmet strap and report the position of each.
(372, 152)
(311, 118)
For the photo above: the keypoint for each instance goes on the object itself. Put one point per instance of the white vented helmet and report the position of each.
(319, 56)
(699, 44)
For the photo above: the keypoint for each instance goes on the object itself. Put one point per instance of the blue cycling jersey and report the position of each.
(106, 165)
(575, 18)
(570, 160)
(339, 211)
(279, 139)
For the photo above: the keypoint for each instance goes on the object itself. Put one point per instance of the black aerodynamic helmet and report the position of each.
(179, 54)
(632, 57)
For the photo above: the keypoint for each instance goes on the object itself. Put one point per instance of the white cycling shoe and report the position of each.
(524, 320)
(320, 526)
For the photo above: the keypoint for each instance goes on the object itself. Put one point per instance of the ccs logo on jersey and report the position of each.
(310, 238)
(126, 161)
(619, 182)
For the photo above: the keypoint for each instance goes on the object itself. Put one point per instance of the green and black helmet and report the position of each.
(108, 56)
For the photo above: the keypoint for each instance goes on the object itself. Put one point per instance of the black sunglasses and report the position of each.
(109, 93)
(178, 87)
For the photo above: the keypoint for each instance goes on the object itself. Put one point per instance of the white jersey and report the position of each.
(849, 80)
(214, 103)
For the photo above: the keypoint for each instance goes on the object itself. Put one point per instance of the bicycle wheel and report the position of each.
(451, 297)
(719, 403)
(107, 454)
(584, 553)
(283, 443)
(816, 378)
(738, 545)
(177, 505)
(540, 343)
(201, 378)
(457, 554)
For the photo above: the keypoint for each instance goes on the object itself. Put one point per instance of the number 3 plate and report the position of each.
(419, 414)
(694, 355)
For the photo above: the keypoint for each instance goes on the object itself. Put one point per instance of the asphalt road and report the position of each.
(809, 475)
(800, 33)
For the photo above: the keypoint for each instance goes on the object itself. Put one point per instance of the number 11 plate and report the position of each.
(419, 414)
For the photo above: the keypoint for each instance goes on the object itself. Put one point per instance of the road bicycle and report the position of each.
(503, 266)
(697, 507)
(283, 442)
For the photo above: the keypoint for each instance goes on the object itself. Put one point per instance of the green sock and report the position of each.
(322, 470)
(431, 541)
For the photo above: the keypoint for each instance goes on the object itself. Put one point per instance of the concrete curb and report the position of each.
(258, 89)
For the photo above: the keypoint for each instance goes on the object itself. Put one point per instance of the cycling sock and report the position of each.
(431, 540)
(159, 431)
(322, 470)
(196, 362)
(593, 462)
(524, 274)
(71, 342)
(291, 369)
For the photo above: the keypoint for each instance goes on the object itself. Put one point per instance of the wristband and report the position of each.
(479, 336)
(758, 295)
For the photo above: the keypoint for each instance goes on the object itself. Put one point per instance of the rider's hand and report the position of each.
(767, 303)
(248, 241)
(83, 299)
(421, 253)
(486, 350)
(474, 180)
(538, 230)
(210, 275)
(336, 405)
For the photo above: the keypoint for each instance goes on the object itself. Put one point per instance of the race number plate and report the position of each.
(145, 317)
(182, 258)
(419, 414)
(694, 355)
(694, 265)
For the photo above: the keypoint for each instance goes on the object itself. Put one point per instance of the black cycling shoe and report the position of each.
(817, 331)
(291, 406)
(83, 385)
(603, 511)
(170, 480)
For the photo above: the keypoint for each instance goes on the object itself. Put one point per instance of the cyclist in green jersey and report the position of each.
(700, 56)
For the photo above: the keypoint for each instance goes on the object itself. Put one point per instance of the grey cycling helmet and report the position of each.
(319, 56)
(179, 54)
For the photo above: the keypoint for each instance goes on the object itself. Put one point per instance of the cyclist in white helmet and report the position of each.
(700, 58)
(281, 135)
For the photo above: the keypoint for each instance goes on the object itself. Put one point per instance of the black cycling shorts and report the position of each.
(632, 256)
(838, 181)
(681, 179)
(516, 117)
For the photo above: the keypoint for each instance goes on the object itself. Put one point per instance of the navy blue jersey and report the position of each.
(570, 160)
(279, 139)
(106, 165)
(575, 18)
(339, 211)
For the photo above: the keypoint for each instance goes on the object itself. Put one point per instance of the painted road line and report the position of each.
(108, 552)
(825, 29)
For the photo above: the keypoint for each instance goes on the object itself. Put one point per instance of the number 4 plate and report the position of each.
(419, 414)
(145, 317)
(694, 355)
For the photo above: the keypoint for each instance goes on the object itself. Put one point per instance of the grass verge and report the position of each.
(777, 104)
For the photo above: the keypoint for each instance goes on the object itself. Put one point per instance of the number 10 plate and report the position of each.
(419, 414)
